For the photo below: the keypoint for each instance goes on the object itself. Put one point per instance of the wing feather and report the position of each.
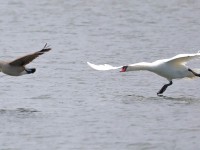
(102, 67)
(22, 61)
(183, 58)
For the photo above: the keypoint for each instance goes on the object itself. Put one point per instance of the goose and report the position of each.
(18, 67)
(172, 68)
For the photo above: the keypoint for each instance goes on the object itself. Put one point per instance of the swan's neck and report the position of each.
(140, 66)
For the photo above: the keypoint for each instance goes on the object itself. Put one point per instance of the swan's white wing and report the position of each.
(102, 67)
(183, 58)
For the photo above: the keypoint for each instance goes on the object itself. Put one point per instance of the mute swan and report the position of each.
(17, 66)
(172, 68)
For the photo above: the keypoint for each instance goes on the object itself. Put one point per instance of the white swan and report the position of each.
(172, 68)
(17, 67)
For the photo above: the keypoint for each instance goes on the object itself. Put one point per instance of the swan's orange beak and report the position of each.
(124, 69)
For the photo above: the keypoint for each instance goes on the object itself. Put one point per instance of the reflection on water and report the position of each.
(18, 110)
(129, 99)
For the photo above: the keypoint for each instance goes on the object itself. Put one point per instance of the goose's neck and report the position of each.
(140, 66)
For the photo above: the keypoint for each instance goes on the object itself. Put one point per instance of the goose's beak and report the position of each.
(124, 69)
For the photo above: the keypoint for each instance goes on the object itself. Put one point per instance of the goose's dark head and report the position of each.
(124, 68)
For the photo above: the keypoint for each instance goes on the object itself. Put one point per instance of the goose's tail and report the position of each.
(103, 67)
(28, 71)
(31, 70)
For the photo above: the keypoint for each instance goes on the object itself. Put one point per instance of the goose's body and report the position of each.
(172, 68)
(17, 66)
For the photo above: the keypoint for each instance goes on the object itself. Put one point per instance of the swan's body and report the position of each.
(17, 66)
(172, 68)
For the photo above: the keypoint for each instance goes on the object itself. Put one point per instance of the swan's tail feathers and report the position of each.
(103, 67)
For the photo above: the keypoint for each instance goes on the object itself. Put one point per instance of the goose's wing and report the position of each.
(103, 67)
(22, 61)
(183, 58)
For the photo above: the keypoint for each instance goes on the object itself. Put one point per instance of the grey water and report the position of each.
(67, 105)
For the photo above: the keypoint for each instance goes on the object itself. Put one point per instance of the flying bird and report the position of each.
(172, 68)
(18, 67)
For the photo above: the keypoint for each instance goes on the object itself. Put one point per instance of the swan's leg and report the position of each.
(164, 88)
(196, 74)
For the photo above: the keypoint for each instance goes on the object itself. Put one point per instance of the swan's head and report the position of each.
(124, 69)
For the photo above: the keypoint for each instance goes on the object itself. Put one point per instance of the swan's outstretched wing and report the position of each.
(183, 58)
(102, 67)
